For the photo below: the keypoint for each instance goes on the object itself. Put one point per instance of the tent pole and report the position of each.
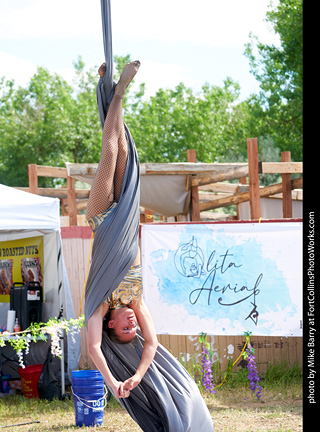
(62, 365)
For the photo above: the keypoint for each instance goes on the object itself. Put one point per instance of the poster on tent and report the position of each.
(21, 261)
(224, 279)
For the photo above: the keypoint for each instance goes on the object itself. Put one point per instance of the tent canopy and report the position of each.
(24, 215)
(21, 210)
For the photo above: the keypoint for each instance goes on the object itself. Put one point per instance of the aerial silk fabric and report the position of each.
(106, 85)
(167, 398)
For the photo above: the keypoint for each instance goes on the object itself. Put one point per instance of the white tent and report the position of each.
(23, 215)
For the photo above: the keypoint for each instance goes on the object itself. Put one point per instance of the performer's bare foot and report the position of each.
(126, 77)
(102, 70)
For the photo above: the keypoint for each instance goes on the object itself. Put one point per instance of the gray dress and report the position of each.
(167, 398)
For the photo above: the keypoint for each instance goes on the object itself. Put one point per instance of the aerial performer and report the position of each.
(147, 380)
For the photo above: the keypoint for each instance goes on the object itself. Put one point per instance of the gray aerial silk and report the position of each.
(167, 398)
(105, 87)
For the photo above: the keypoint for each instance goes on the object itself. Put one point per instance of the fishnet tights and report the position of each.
(106, 187)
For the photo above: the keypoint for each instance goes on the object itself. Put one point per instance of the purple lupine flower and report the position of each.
(206, 368)
(253, 376)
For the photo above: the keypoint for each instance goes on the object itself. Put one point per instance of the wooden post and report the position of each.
(195, 209)
(243, 181)
(71, 185)
(286, 188)
(33, 178)
(253, 161)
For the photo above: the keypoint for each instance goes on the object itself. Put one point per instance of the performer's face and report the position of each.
(124, 323)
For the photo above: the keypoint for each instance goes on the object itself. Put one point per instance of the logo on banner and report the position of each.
(190, 262)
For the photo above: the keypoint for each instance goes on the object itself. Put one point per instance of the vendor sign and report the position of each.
(20, 261)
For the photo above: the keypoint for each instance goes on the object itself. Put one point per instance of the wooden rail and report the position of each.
(200, 177)
(35, 171)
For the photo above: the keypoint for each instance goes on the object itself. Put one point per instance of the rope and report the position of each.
(94, 401)
(225, 375)
(85, 282)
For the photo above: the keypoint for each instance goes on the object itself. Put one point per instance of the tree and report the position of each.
(279, 71)
(173, 121)
(48, 123)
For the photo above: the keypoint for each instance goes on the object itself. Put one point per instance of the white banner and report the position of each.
(224, 279)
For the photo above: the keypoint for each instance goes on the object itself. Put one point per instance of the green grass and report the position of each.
(234, 409)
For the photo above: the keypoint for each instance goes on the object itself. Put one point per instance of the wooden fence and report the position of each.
(76, 243)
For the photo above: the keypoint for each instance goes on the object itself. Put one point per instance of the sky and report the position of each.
(193, 42)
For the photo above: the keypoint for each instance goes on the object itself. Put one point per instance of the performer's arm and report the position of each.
(94, 343)
(150, 343)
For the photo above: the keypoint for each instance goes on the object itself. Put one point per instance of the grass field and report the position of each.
(234, 409)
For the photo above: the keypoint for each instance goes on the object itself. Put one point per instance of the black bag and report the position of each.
(48, 384)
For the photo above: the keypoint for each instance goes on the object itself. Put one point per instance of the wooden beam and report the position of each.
(81, 205)
(253, 161)
(71, 184)
(220, 187)
(245, 196)
(49, 171)
(285, 167)
(231, 173)
(286, 188)
(195, 209)
(33, 178)
(185, 168)
(60, 193)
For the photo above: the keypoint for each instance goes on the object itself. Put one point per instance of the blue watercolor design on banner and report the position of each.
(212, 276)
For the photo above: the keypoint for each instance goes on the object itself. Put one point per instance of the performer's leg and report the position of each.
(108, 180)
(120, 165)
(102, 190)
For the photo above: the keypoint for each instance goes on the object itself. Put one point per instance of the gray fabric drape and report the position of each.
(167, 399)
(105, 87)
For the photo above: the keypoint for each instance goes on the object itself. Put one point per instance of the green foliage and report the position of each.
(51, 122)
(47, 123)
(283, 375)
(211, 122)
(40, 331)
(279, 71)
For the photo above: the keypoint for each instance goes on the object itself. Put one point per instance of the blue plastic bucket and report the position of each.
(89, 397)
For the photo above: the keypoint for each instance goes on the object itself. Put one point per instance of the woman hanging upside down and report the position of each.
(125, 305)
(148, 381)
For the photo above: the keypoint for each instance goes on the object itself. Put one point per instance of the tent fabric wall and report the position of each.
(23, 215)
(167, 195)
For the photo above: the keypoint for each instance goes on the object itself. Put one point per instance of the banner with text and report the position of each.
(21, 261)
(224, 279)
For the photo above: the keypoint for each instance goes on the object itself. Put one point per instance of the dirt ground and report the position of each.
(239, 411)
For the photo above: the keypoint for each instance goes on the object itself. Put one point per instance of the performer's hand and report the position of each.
(102, 70)
(120, 391)
(132, 382)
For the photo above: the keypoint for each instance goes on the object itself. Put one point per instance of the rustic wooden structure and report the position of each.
(206, 182)
(209, 189)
